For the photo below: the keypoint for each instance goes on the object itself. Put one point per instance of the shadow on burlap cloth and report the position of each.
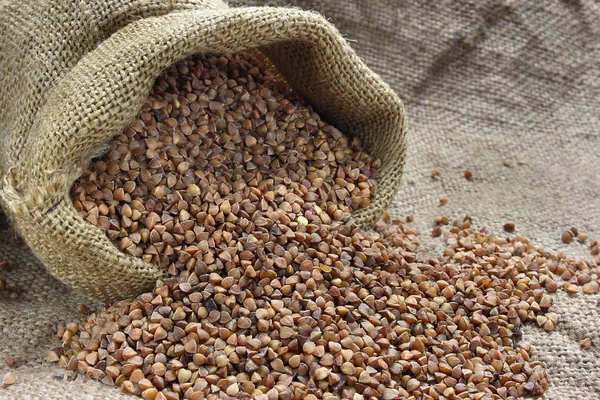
(509, 90)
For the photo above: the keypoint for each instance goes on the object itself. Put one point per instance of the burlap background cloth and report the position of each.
(508, 89)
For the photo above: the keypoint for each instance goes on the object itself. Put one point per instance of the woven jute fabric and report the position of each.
(507, 89)
(75, 73)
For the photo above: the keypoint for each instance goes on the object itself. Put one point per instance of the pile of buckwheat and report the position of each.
(234, 185)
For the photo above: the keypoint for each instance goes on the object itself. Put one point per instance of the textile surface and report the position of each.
(507, 89)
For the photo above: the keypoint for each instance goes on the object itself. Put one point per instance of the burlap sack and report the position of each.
(75, 73)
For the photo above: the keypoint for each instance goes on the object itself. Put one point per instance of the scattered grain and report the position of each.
(8, 379)
(10, 362)
(509, 227)
(567, 236)
(586, 343)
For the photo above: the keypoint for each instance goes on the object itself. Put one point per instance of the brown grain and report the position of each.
(567, 236)
(8, 379)
(245, 196)
(586, 343)
(10, 362)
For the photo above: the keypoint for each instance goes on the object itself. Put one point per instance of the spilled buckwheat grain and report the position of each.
(8, 379)
(228, 180)
(383, 321)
